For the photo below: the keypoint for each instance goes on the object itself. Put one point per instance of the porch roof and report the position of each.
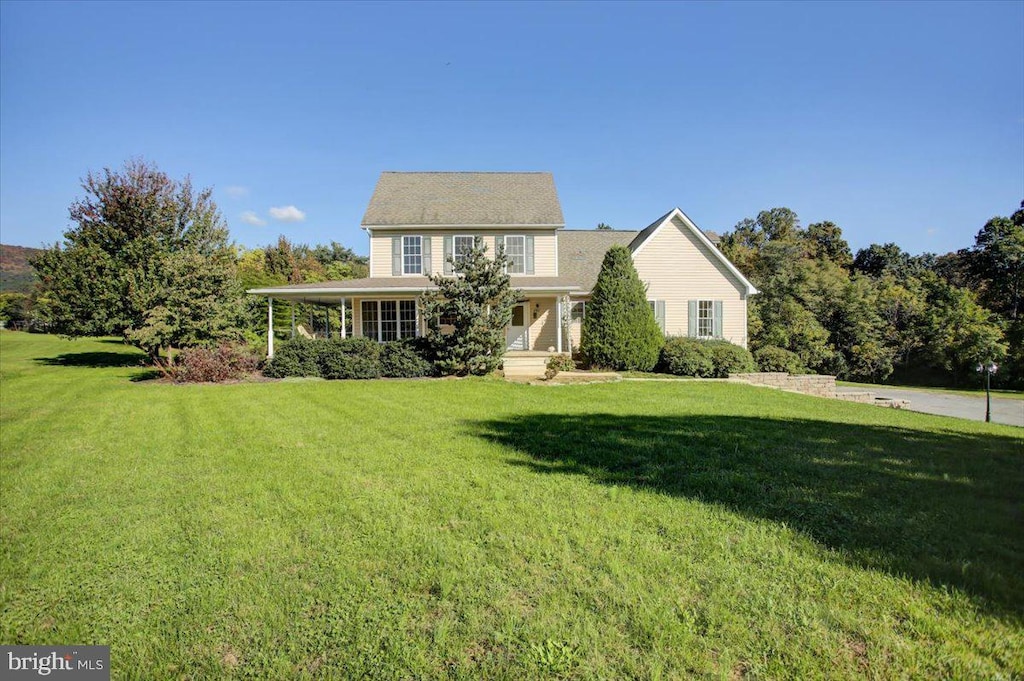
(325, 290)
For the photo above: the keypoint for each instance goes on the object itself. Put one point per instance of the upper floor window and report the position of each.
(412, 255)
(515, 253)
(462, 245)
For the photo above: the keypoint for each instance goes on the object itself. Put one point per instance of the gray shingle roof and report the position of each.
(437, 198)
(580, 253)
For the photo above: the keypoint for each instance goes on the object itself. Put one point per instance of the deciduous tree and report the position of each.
(148, 259)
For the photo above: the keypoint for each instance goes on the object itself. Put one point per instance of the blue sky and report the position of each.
(897, 121)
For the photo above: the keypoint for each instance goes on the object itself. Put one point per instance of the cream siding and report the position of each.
(677, 268)
(544, 248)
(575, 328)
(543, 324)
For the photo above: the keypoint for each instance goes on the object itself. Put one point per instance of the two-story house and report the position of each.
(418, 223)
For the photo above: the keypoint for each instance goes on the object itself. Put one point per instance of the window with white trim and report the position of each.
(578, 311)
(412, 255)
(515, 253)
(371, 328)
(387, 320)
(407, 318)
(461, 245)
(705, 318)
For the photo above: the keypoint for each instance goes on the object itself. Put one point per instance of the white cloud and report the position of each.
(287, 214)
(250, 218)
(236, 191)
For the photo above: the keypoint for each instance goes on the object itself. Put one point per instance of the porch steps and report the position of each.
(525, 365)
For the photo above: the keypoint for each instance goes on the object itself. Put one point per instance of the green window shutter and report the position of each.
(718, 319)
(396, 255)
(529, 254)
(659, 314)
(448, 254)
(691, 318)
(425, 250)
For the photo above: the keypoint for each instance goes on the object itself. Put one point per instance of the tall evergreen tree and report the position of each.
(619, 330)
(477, 306)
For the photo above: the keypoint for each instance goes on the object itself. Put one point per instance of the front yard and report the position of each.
(479, 529)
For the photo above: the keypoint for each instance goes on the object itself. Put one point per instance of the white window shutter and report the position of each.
(425, 250)
(691, 318)
(718, 319)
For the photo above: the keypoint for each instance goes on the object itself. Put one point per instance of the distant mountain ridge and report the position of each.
(16, 275)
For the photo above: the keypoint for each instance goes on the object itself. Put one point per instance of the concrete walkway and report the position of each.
(1010, 412)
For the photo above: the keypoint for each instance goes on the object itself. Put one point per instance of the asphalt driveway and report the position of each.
(1010, 412)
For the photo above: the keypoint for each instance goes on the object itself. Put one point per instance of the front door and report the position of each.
(517, 335)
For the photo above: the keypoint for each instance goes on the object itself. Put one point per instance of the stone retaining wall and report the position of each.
(809, 384)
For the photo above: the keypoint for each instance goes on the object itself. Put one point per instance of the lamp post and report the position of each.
(988, 368)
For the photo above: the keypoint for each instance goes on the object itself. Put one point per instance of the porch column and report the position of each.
(327, 320)
(558, 325)
(293, 319)
(342, 317)
(270, 327)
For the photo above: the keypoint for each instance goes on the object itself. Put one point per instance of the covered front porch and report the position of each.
(540, 320)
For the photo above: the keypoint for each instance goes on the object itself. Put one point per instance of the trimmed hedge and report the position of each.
(400, 359)
(348, 358)
(729, 358)
(298, 357)
(771, 358)
(704, 358)
(686, 357)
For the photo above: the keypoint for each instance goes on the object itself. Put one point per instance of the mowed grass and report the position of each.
(478, 529)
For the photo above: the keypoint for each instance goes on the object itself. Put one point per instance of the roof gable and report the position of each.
(648, 232)
(437, 199)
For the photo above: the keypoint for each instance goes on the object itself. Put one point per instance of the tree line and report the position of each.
(883, 314)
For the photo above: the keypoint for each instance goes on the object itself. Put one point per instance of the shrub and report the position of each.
(400, 359)
(559, 363)
(771, 358)
(336, 358)
(686, 357)
(353, 358)
(297, 357)
(210, 365)
(729, 358)
(619, 330)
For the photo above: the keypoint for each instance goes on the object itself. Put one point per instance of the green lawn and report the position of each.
(477, 529)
